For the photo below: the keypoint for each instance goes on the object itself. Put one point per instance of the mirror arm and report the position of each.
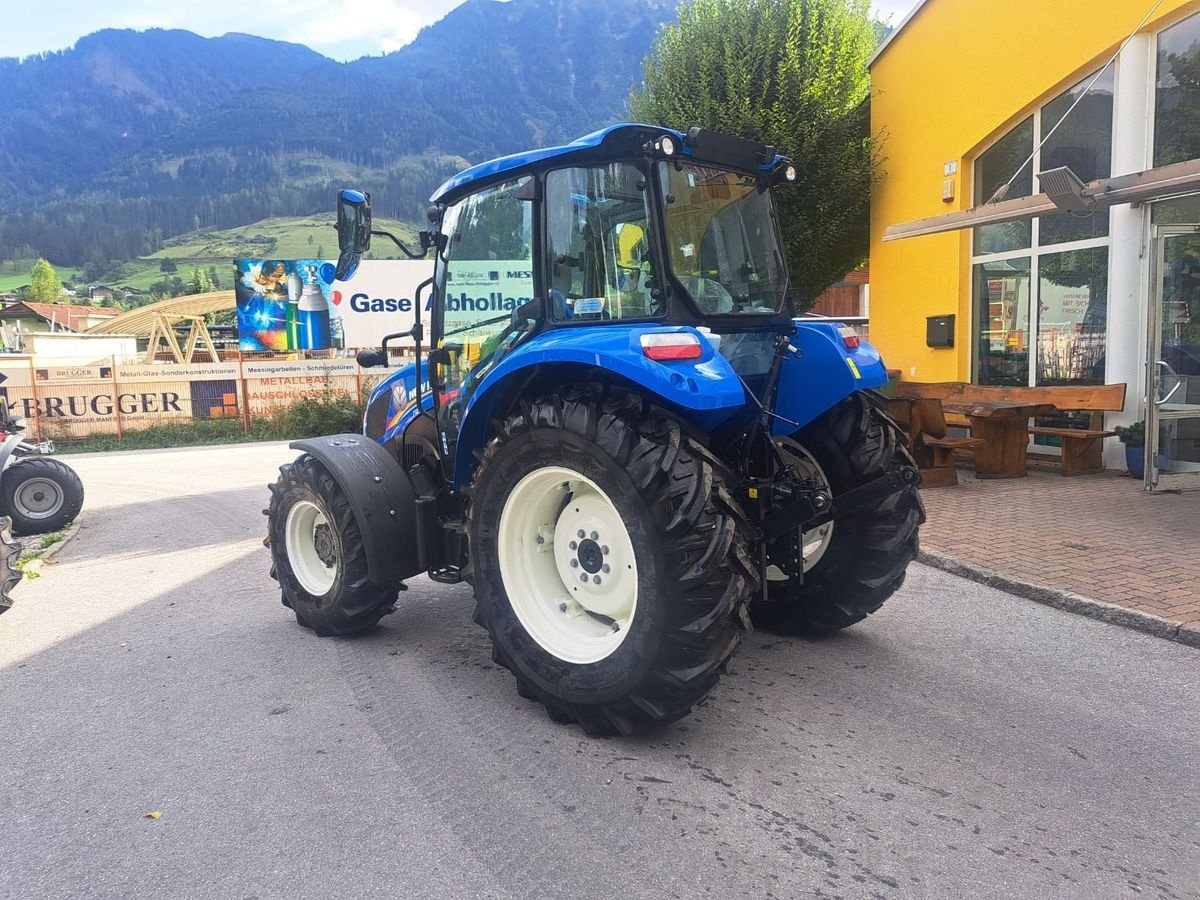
(418, 335)
(395, 240)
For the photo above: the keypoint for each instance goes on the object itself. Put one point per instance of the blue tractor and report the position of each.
(619, 433)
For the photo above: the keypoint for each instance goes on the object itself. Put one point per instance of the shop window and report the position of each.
(1177, 94)
(1072, 316)
(1178, 211)
(1002, 322)
(994, 167)
(1082, 141)
(1059, 261)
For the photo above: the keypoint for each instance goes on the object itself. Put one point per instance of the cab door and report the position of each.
(483, 271)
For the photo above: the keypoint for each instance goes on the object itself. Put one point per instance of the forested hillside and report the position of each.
(129, 138)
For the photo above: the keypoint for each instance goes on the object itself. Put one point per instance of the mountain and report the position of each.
(69, 116)
(128, 138)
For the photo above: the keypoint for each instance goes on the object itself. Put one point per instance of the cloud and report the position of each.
(343, 29)
(386, 24)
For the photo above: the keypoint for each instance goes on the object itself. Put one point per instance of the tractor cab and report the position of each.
(632, 225)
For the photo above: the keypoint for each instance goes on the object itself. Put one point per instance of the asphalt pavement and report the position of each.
(962, 742)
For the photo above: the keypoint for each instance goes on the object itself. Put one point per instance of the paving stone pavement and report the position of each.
(1100, 536)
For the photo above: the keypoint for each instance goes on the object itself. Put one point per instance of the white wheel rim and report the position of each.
(816, 540)
(38, 498)
(311, 548)
(575, 596)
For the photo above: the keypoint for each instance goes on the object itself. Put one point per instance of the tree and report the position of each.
(96, 267)
(167, 265)
(200, 283)
(44, 286)
(793, 74)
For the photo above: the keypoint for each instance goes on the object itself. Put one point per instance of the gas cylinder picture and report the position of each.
(295, 288)
(312, 315)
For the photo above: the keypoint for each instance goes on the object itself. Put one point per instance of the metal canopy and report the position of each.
(1140, 187)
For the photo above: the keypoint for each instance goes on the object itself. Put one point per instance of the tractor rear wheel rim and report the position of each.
(568, 565)
(38, 498)
(311, 547)
(816, 540)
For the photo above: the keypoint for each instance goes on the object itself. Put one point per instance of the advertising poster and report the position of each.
(296, 305)
(285, 305)
(480, 291)
(378, 300)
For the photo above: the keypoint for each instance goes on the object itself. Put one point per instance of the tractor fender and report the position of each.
(8, 449)
(821, 373)
(706, 391)
(380, 496)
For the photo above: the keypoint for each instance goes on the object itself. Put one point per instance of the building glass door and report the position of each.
(1173, 363)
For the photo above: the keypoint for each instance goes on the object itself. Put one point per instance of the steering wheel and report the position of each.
(710, 295)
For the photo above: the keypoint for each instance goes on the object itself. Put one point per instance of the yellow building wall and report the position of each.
(958, 76)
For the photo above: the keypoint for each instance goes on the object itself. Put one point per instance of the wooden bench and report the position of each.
(924, 424)
(1081, 447)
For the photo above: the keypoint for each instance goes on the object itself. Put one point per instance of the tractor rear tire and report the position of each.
(317, 553)
(868, 552)
(608, 559)
(40, 495)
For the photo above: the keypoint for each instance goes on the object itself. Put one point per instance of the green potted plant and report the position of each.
(1134, 438)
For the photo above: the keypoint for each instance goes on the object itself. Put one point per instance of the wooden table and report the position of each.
(1003, 425)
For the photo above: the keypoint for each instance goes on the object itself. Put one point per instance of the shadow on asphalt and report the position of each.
(149, 526)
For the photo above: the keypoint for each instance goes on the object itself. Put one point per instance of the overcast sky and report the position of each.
(342, 29)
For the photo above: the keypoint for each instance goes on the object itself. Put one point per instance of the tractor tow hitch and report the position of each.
(802, 506)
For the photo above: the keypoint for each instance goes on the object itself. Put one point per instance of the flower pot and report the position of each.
(1135, 459)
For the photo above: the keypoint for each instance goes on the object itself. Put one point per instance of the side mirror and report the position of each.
(354, 231)
(374, 358)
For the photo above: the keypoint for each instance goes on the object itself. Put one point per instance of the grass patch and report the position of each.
(277, 238)
(15, 272)
(307, 418)
(198, 432)
(34, 547)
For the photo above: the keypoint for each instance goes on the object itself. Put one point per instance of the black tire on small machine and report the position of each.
(40, 494)
(340, 597)
(869, 552)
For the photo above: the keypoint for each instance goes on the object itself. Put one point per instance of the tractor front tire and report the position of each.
(862, 560)
(40, 495)
(608, 559)
(317, 553)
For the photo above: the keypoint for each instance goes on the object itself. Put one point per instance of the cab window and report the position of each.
(599, 246)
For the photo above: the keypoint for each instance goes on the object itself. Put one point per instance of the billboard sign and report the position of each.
(297, 304)
(285, 305)
(379, 300)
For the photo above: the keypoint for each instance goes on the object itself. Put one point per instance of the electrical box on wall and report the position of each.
(939, 331)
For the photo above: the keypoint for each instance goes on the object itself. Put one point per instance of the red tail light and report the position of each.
(666, 346)
(849, 337)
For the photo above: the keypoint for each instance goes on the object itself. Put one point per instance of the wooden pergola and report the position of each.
(158, 321)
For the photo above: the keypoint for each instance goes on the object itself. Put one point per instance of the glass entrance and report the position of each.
(1173, 363)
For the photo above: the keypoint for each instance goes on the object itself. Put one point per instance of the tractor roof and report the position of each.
(615, 142)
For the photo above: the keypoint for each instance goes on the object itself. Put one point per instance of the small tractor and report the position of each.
(630, 446)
